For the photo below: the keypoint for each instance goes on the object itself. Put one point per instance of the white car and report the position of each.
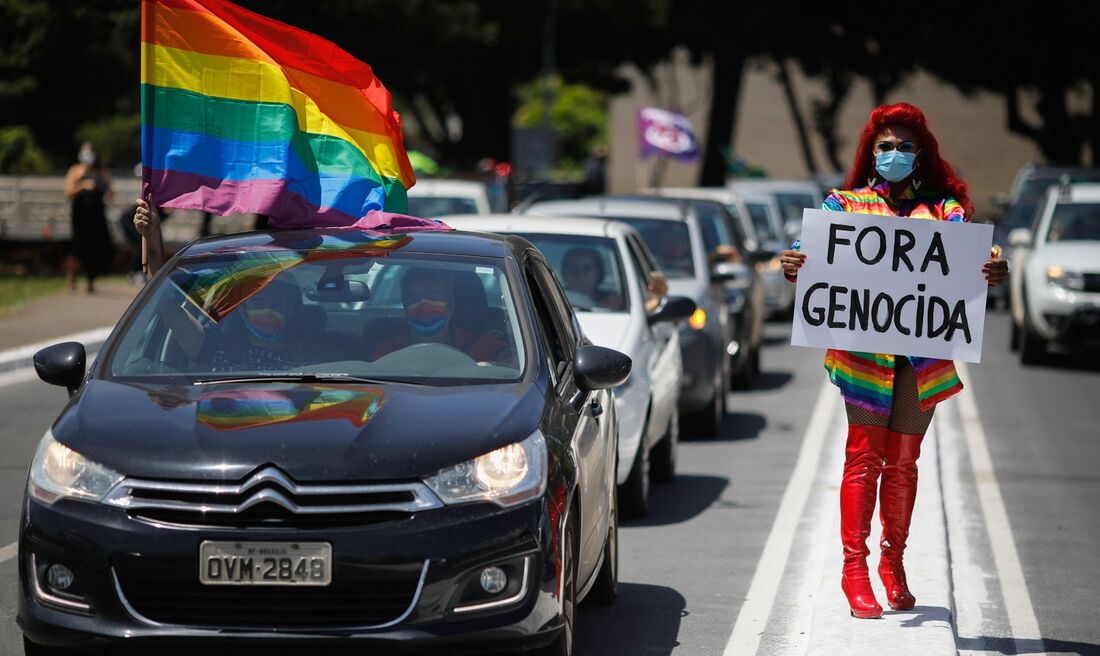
(435, 198)
(791, 197)
(1054, 284)
(610, 305)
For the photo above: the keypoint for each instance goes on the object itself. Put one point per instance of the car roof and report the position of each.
(530, 223)
(434, 187)
(719, 194)
(770, 185)
(1077, 193)
(442, 242)
(612, 207)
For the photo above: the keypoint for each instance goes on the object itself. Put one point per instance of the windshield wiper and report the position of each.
(300, 378)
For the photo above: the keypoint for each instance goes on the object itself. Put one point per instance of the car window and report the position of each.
(715, 228)
(430, 206)
(759, 214)
(390, 316)
(1074, 222)
(792, 203)
(669, 242)
(589, 269)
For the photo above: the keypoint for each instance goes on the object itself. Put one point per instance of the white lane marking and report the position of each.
(96, 335)
(17, 376)
(1010, 573)
(8, 552)
(752, 618)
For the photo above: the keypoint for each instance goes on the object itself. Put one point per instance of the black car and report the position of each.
(398, 440)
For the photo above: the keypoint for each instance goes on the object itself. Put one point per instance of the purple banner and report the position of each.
(661, 132)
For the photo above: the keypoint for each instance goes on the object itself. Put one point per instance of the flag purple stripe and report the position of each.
(269, 197)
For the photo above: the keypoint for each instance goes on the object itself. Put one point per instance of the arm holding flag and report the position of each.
(147, 222)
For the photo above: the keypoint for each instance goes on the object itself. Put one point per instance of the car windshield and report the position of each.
(433, 206)
(1033, 188)
(791, 204)
(669, 242)
(589, 268)
(1075, 222)
(759, 214)
(712, 219)
(364, 312)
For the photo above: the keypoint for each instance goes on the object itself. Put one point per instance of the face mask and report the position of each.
(427, 316)
(86, 157)
(266, 324)
(894, 165)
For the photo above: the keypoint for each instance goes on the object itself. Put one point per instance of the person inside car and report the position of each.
(429, 300)
(262, 334)
(583, 271)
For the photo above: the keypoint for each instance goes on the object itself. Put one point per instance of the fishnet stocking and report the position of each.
(905, 414)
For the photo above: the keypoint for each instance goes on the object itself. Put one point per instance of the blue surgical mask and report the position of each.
(894, 165)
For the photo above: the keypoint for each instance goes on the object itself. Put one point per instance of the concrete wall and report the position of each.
(972, 131)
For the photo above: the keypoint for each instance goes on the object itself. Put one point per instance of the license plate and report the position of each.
(265, 563)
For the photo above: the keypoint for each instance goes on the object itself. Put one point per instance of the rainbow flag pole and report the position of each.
(243, 114)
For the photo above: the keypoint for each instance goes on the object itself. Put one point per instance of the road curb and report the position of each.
(22, 357)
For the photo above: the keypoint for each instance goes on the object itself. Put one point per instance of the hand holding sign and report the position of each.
(886, 285)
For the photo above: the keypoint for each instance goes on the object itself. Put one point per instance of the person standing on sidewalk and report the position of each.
(889, 399)
(88, 186)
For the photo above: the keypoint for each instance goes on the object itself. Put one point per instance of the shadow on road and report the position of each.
(770, 380)
(644, 620)
(1029, 646)
(682, 500)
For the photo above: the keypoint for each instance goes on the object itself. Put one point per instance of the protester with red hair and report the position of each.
(889, 400)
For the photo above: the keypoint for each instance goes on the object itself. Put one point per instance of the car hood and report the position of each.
(311, 432)
(1075, 256)
(607, 329)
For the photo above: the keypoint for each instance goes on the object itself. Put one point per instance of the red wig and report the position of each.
(933, 171)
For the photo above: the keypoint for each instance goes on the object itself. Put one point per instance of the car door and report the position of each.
(595, 447)
(663, 347)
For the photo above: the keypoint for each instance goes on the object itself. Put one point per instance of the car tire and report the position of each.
(606, 588)
(741, 377)
(756, 360)
(1014, 336)
(708, 421)
(634, 492)
(566, 642)
(662, 467)
(34, 649)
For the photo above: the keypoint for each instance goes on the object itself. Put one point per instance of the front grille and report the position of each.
(269, 499)
(1092, 282)
(168, 592)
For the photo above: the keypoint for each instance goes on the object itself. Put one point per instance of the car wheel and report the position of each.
(634, 492)
(741, 377)
(663, 466)
(756, 360)
(1014, 336)
(565, 643)
(708, 421)
(606, 589)
(34, 649)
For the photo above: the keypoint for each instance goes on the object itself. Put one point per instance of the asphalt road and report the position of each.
(687, 568)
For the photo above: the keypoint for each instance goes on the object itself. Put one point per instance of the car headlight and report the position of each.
(1059, 276)
(58, 472)
(507, 476)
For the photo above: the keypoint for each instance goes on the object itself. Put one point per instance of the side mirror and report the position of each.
(1019, 238)
(761, 256)
(61, 364)
(597, 367)
(673, 308)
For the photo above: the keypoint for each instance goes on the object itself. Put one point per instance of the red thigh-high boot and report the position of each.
(864, 456)
(896, 498)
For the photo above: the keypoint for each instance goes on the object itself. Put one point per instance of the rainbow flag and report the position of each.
(244, 114)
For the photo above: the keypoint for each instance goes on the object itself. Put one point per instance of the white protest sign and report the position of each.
(883, 284)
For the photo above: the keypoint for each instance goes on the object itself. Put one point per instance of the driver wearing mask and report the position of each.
(428, 297)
